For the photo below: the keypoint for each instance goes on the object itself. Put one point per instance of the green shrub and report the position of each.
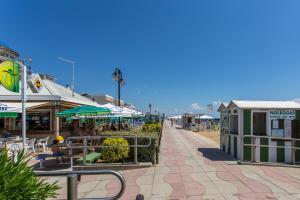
(151, 127)
(18, 181)
(117, 149)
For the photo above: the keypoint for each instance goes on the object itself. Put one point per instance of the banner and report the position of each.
(10, 75)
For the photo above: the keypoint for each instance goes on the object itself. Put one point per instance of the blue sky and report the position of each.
(177, 55)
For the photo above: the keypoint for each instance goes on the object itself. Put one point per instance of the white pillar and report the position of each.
(57, 126)
(24, 99)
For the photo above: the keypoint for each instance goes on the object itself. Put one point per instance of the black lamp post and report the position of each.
(117, 76)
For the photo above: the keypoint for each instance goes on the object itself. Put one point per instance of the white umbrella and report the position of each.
(114, 109)
(204, 117)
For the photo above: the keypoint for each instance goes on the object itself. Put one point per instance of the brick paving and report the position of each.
(192, 167)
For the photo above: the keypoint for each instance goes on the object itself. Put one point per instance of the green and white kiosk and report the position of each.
(261, 131)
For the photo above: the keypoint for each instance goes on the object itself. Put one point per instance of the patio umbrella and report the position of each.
(84, 111)
(114, 109)
(205, 117)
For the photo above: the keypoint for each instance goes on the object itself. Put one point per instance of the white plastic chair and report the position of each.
(13, 150)
(2, 143)
(30, 145)
(43, 143)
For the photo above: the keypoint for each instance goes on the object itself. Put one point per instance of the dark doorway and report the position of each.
(259, 123)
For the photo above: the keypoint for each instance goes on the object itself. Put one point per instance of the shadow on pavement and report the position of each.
(51, 164)
(215, 154)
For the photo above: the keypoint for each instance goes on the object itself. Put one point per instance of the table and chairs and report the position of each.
(15, 144)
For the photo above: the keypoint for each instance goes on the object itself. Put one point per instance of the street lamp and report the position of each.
(73, 76)
(117, 76)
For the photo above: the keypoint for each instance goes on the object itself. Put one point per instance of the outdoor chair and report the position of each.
(2, 143)
(30, 144)
(43, 143)
(13, 150)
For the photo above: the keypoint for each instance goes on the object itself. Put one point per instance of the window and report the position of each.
(296, 129)
(234, 124)
(259, 123)
(277, 127)
(35, 121)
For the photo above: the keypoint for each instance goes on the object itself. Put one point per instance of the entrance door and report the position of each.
(260, 129)
(1, 123)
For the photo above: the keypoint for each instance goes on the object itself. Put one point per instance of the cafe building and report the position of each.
(261, 131)
(45, 98)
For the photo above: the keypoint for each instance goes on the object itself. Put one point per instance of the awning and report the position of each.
(8, 115)
(84, 111)
(11, 110)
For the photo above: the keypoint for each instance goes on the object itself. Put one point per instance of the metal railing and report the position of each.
(87, 142)
(253, 146)
(74, 176)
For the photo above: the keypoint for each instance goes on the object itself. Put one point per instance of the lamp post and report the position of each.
(73, 72)
(118, 76)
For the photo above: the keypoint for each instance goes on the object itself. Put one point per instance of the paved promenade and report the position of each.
(192, 167)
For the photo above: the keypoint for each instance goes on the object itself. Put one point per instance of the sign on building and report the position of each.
(283, 114)
(35, 82)
(10, 75)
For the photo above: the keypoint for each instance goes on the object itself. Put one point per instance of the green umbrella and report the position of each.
(84, 111)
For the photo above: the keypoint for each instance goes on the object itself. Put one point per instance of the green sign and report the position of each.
(10, 75)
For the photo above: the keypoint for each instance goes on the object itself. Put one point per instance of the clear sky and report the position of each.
(177, 55)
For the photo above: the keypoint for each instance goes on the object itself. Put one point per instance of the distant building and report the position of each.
(7, 53)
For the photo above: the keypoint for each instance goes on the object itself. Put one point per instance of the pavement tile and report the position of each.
(256, 186)
(207, 197)
(225, 188)
(213, 176)
(161, 190)
(145, 180)
(87, 186)
(173, 178)
(199, 177)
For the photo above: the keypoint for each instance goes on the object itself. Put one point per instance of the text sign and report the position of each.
(3, 107)
(282, 114)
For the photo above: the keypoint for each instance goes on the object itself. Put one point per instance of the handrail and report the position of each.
(70, 146)
(270, 137)
(253, 145)
(85, 145)
(72, 177)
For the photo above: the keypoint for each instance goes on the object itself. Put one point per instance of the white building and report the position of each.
(261, 131)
